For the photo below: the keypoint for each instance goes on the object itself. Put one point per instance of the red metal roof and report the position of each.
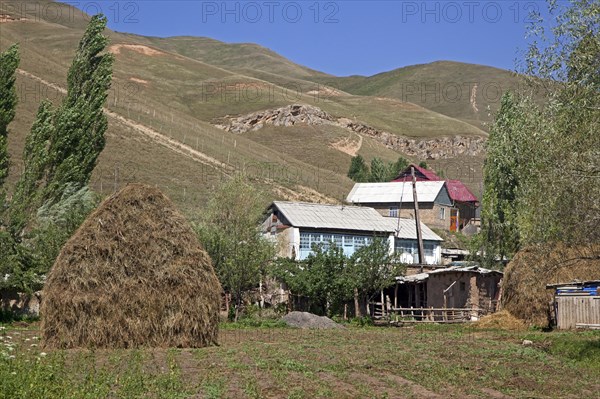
(456, 189)
(421, 174)
(459, 192)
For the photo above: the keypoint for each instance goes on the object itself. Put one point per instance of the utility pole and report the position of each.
(417, 221)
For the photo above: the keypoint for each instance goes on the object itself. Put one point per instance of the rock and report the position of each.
(309, 320)
(432, 148)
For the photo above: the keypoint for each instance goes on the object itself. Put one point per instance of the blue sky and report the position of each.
(341, 37)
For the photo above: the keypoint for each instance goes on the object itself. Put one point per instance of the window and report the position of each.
(463, 286)
(348, 241)
(442, 213)
(429, 248)
(304, 241)
(393, 211)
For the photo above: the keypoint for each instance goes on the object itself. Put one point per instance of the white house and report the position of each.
(297, 226)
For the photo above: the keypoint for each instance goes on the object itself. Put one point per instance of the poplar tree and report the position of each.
(79, 124)
(9, 61)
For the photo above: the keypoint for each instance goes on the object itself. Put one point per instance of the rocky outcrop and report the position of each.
(426, 148)
(285, 116)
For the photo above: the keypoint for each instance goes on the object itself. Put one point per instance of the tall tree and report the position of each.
(543, 162)
(229, 232)
(79, 124)
(9, 62)
(35, 154)
(358, 171)
(380, 171)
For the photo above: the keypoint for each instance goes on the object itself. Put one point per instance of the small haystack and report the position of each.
(133, 275)
(501, 320)
(524, 288)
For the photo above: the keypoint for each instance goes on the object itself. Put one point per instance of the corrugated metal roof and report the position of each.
(475, 269)
(344, 217)
(459, 192)
(394, 192)
(406, 228)
(339, 217)
(420, 174)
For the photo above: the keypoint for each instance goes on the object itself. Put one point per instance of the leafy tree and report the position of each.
(228, 230)
(79, 124)
(35, 154)
(542, 170)
(329, 279)
(9, 61)
(51, 198)
(423, 165)
(373, 268)
(398, 166)
(505, 169)
(359, 171)
(380, 171)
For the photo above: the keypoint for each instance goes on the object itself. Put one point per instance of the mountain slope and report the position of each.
(164, 106)
(467, 92)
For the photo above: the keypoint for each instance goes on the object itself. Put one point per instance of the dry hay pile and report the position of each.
(133, 275)
(525, 278)
(502, 320)
(309, 320)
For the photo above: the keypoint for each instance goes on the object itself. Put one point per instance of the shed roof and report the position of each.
(344, 217)
(394, 192)
(574, 283)
(465, 269)
(420, 277)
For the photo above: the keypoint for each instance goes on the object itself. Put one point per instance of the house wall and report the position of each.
(409, 253)
(429, 213)
(349, 241)
(471, 290)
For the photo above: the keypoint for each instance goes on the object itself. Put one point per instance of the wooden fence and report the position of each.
(424, 314)
(577, 311)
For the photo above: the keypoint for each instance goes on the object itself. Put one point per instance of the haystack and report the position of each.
(133, 275)
(524, 288)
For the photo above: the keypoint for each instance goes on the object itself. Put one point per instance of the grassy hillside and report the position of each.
(167, 93)
(467, 92)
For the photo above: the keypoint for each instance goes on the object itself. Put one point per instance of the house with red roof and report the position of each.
(464, 201)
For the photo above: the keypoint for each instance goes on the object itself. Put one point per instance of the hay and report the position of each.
(525, 278)
(502, 320)
(133, 275)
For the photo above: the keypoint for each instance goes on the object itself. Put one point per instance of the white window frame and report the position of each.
(393, 213)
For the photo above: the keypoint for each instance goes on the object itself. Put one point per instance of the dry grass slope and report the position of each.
(133, 275)
(525, 294)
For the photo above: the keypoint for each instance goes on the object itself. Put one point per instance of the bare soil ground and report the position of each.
(420, 362)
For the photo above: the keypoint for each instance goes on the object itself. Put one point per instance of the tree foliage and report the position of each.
(542, 170)
(9, 62)
(228, 230)
(51, 198)
(328, 279)
(379, 171)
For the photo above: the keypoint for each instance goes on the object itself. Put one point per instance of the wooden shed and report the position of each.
(577, 304)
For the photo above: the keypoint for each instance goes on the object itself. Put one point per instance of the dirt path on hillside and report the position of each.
(301, 193)
(159, 138)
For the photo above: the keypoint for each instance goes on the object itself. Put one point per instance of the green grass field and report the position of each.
(276, 362)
